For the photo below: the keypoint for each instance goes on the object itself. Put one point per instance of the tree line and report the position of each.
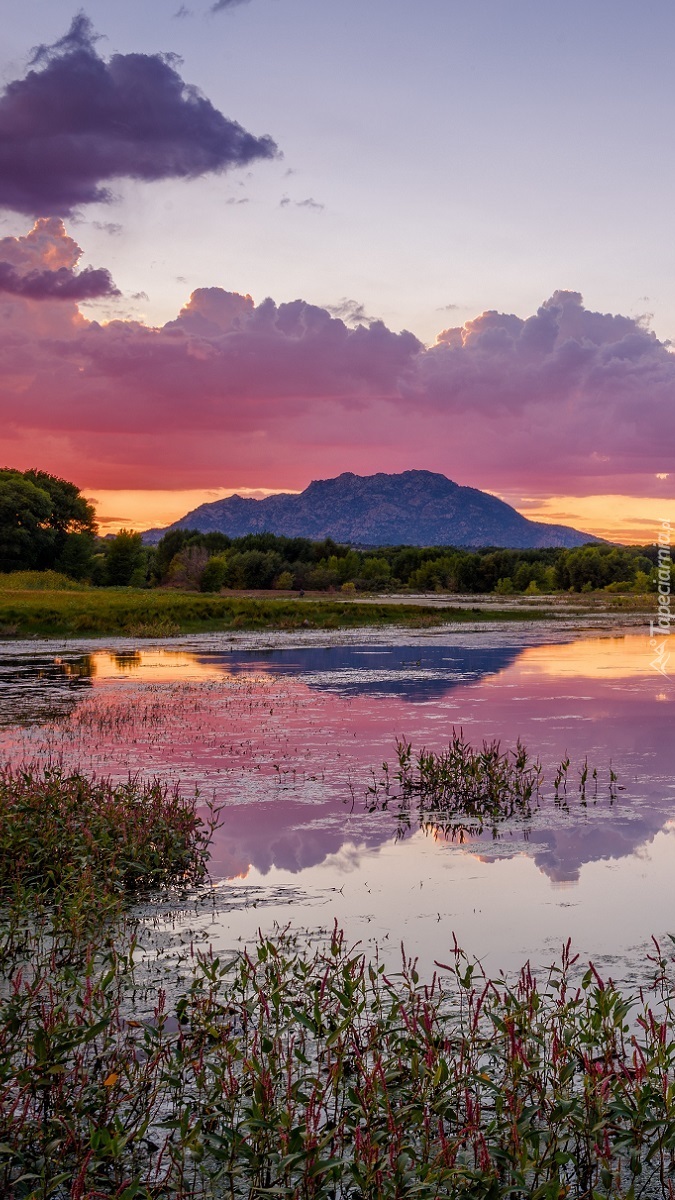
(213, 561)
(46, 524)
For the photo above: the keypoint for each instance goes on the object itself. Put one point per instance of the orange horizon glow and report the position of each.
(633, 520)
(139, 510)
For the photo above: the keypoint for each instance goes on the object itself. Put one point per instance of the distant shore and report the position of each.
(157, 613)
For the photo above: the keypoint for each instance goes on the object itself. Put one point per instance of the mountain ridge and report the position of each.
(415, 508)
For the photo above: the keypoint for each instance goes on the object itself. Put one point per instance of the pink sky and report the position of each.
(240, 393)
(269, 277)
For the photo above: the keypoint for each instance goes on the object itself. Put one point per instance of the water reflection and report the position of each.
(418, 672)
(286, 741)
(42, 689)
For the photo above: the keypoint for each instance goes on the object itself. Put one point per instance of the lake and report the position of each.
(288, 732)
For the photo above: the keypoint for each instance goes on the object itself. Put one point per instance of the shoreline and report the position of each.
(483, 633)
(91, 614)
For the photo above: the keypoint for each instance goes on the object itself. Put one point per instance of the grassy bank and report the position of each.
(145, 613)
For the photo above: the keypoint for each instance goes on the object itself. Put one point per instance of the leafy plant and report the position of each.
(57, 828)
(285, 1071)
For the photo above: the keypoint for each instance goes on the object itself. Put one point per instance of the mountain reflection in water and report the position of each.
(416, 673)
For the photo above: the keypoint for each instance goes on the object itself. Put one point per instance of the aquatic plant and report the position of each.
(460, 790)
(56, 828)
(300, 1073)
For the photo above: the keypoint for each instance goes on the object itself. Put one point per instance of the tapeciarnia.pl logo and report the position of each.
(659, 630)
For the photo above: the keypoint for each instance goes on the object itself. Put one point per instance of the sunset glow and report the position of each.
(139, 510)
(242, 299)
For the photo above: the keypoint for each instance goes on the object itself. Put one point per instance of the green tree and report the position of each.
(284, 582)
(71, 512)
(25, 509)
(260, 568)
(124, 555)
(77, 557)
(376, 570)
(168, 547)
(39, 513)
(213, 576)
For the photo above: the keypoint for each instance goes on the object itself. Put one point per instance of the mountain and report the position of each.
(415, 508)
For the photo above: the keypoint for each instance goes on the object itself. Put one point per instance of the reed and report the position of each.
(461, 790)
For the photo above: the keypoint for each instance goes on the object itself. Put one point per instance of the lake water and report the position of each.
(287, 735)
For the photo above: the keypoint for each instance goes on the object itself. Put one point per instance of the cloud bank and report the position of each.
(77, 122)
(565, 400)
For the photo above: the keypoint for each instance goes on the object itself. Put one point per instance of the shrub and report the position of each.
(37, 581)
(284, 582)
(55, 827)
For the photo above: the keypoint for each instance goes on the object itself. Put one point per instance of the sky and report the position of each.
(248, 244)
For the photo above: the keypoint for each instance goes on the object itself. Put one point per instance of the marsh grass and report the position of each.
(96, 611)
(153, 629)
(306, 1072)
(460, 791)
(289, 1072)
(58, 829)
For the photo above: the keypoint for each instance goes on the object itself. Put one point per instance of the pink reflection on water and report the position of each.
(287, 745)
(291, 759)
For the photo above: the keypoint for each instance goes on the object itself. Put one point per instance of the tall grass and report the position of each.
(461, 790)
(37, 581)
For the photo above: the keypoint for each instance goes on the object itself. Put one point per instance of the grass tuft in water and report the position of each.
(461, 790)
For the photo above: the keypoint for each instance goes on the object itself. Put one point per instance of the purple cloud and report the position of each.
(564, 401)
(61, 284)
(352, 312)
(76, 122)
(41, 266)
